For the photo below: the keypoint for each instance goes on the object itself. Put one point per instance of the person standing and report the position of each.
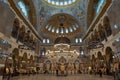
(117, 75)
(100, 73)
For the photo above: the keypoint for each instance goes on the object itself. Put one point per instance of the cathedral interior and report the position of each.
(72, 39)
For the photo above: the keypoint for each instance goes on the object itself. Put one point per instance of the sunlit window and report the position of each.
(69, 2)
(73, 0)
(82, 53)
(23, 8)
(115, 26)
(80, 40)
(60, 3)
(74, 28)
(43, 53)
(66, 30)
(57, 30)
(99, 5)
(48, 41)
(57, 3)
(44, 40)
(65, 3)
(49, 28)
(71, 30)
(62, 31)
(118, 40)
(53, 2)
(76, 40)
(53, 29)
(49, 1)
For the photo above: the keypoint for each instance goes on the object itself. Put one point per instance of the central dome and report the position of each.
(62, 24)
(60, 3)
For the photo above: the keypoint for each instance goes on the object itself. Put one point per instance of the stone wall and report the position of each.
(6, 19)
(114, 13)
(114, 16)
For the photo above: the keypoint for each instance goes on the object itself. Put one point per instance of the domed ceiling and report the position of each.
(62, 24)
(78, 9)
(72, 12)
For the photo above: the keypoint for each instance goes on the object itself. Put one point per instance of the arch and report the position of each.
(62, 60)
(31, 39)
(109, 55)
(27, 36)
(47, 65)
(31, 60)
(99, 56)
(15, 57)
(93, 57)
(25, 58)
(92, 36)
(47, 62)
(64, 40)
(21, 33)
(15, 52)
(106, 24)
(31, 57)
(97, 37)
(77, 62)
(16, 26)
(101, 32)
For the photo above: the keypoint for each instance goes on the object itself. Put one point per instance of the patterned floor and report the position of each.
(69, 77)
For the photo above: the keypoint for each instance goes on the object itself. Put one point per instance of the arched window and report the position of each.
(24, 8)
(99, 5)
(44, 40)
(60, 2)
(66, 30)
(76, 40)
(48, 41)
(57, 30)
